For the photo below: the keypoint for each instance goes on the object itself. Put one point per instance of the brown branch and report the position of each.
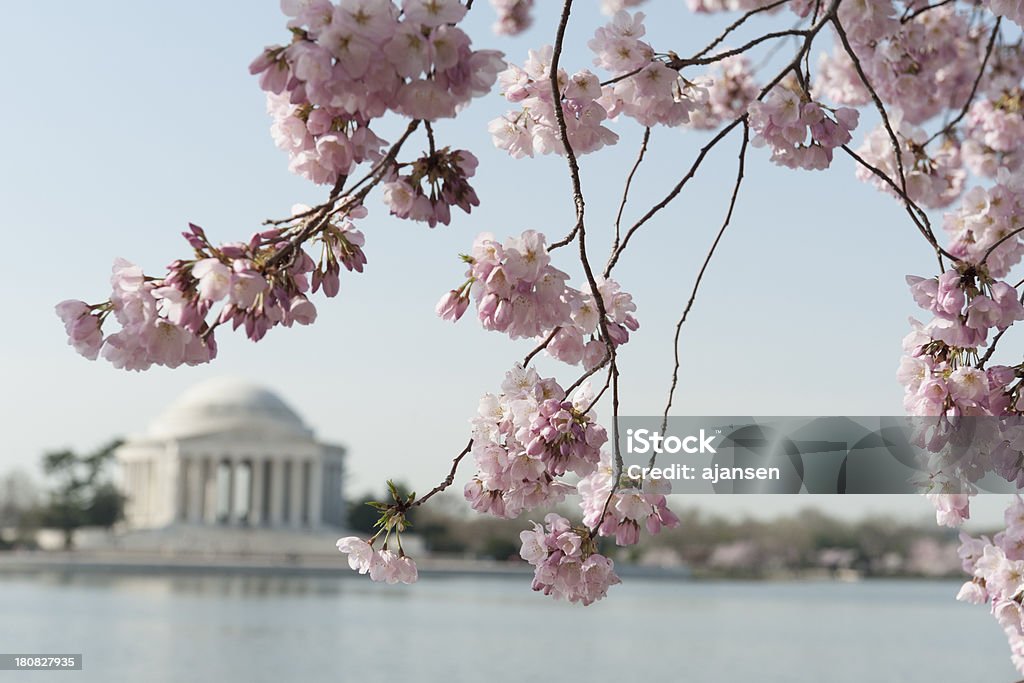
(577, 194)
(448, 481)
(586, 375)
(909, 204)
(540, 347)
(991, 349)
(432, 148)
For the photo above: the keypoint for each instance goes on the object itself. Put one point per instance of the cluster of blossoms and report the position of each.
(997, 569)
(382, 565)
(519, 292)
(730, 89)
(525, 438)
(983, 226)
(577, 339)
(936, 372)
(446, 173)
(513, 16)
(934, 178)
(995, 130)
(533, 129)
(865, 21)
(943, 376)
(341, 245)
(352, 62)
(928, 65)
(799, 130)
(633, 505)
(567, 563)
(642, 87)
(147, 335)
(261, 283)
(655, 94)
(319, 147)
(922, 67)
(837, 80)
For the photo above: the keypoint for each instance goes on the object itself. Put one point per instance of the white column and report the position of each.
(194, 470)
(210, 490)
(147, 489)
(232, 502)
(129, 491)
(297, 494)
(276, 491)
(256, 492)
(316, 487)
(181, 479)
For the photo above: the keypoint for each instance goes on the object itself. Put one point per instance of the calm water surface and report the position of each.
(278, 630)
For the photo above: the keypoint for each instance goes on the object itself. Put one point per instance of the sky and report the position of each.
(125, 124)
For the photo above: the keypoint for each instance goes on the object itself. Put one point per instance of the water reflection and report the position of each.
(279, 628)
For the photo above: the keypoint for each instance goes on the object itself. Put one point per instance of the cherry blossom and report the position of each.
(624, 510)
(567, 565)
(514, 16)
(801, 133)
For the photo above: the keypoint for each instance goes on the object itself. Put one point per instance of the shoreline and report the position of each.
(148, 564)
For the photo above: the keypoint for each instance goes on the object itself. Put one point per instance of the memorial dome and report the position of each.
(227, 405)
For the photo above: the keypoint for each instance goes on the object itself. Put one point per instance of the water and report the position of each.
(285, 629)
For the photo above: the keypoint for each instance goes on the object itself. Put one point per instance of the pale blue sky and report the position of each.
(124, 122)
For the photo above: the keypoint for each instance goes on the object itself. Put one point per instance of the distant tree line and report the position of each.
(710, 544)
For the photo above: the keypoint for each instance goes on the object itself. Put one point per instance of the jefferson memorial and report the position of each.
(230, 454)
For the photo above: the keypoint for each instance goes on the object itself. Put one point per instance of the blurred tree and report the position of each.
(18, 496)
(82, 495)
(19, 499)
(497, 548)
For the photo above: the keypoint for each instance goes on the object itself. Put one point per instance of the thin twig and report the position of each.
(430, 137)
(629, 183)
(540, 347)
(1010, 235)
(991, 349)
(677, 63)
(736, 24)
(909, 204)
(909, 15)
(448, 481)
(614, 258)
(700, 276)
